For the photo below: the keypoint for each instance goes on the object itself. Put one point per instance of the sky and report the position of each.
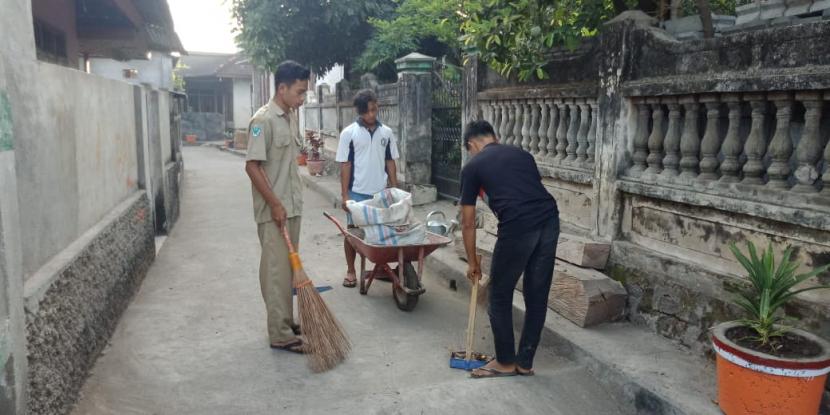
(204, 25)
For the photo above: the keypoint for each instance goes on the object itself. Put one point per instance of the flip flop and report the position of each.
(493, 373)
(297, 346)
(350, 282)
(528, 372)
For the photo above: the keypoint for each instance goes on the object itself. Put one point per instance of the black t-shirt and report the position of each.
(509, 182)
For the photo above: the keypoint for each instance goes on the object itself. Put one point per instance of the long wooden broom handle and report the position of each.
(287, 237)
(471, 319)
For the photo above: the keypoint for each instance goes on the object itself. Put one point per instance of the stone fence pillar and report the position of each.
(415, 135)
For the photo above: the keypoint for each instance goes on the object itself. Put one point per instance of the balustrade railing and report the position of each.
(776, 140)
(557, 131)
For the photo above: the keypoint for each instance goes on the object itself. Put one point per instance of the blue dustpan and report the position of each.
(320, 289)
(458, 361)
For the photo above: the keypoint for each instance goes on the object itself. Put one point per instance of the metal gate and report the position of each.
(446, 132)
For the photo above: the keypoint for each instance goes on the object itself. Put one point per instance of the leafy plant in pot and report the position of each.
(315, 163)
(764, 367)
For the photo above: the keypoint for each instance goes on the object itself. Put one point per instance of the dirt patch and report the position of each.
(790, 345)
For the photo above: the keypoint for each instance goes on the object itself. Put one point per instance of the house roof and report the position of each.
(126, 29)
(220, 65)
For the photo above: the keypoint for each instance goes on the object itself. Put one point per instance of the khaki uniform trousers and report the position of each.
(275, 278)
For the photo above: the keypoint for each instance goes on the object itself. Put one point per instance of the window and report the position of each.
(50, 43)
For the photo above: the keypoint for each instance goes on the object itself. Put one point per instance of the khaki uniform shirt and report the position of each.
(274, 139)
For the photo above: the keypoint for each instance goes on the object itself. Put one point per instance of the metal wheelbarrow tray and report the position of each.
(406, 282)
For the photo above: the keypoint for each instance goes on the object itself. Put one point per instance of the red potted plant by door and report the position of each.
(316, 164)
(764, 367)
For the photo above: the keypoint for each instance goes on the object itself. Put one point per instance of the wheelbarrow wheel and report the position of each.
(407, 302)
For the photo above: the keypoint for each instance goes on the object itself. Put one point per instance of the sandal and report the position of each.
(350, 282)
(527, 372)
(296, 346)
(491, 373)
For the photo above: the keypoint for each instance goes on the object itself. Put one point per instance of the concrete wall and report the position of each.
(76, 154)
(156, 72)
(670, 233)
(242, 103)
(17, 44)
(73, 306)
(76, 223)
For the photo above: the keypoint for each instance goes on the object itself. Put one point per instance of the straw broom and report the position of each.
(326, 342)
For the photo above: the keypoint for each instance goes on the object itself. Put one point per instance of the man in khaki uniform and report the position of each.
(274, 142)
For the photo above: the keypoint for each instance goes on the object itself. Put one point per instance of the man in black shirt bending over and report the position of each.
(508, 180)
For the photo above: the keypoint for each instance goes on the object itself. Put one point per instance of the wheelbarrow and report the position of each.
(406, 282)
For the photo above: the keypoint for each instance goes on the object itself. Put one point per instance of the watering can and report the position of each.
(440, 226)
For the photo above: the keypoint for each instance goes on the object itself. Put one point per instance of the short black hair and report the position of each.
(362, 100)
(475, 129)
(289, 72)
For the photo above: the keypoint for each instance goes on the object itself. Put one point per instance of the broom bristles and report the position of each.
(325, 340)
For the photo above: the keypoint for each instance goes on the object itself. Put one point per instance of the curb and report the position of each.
(630, 393)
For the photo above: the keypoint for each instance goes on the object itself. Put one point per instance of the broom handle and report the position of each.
(471, 320)
(287, 237)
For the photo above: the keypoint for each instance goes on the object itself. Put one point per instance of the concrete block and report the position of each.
(785, 20)
(586, 297)
(821, 5)
(720, 21)
(582, 252)
(755, 24)
(771, 9)
(797, 8)
(684, 24)
(747, 13)
(422, 194)
(690, 36)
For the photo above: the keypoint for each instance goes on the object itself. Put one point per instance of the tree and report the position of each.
(515, 37)
(317, 33)
(431, 27)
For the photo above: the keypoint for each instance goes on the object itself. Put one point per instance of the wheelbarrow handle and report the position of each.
(336, 222)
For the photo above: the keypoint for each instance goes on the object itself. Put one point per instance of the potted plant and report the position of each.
(315, 163)
(764, 367)
(302, 157)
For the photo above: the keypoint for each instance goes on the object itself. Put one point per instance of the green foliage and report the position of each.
(413, 23)
(771, 288)
(515, 36)
(178, 79)
(317, 33)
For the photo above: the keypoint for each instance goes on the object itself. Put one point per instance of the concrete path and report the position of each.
(194, 341)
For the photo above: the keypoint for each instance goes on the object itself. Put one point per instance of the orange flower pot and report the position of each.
(751, 382)
(316, 167)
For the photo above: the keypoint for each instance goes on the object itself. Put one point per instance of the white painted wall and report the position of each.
(157, 72)
(242, 103)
